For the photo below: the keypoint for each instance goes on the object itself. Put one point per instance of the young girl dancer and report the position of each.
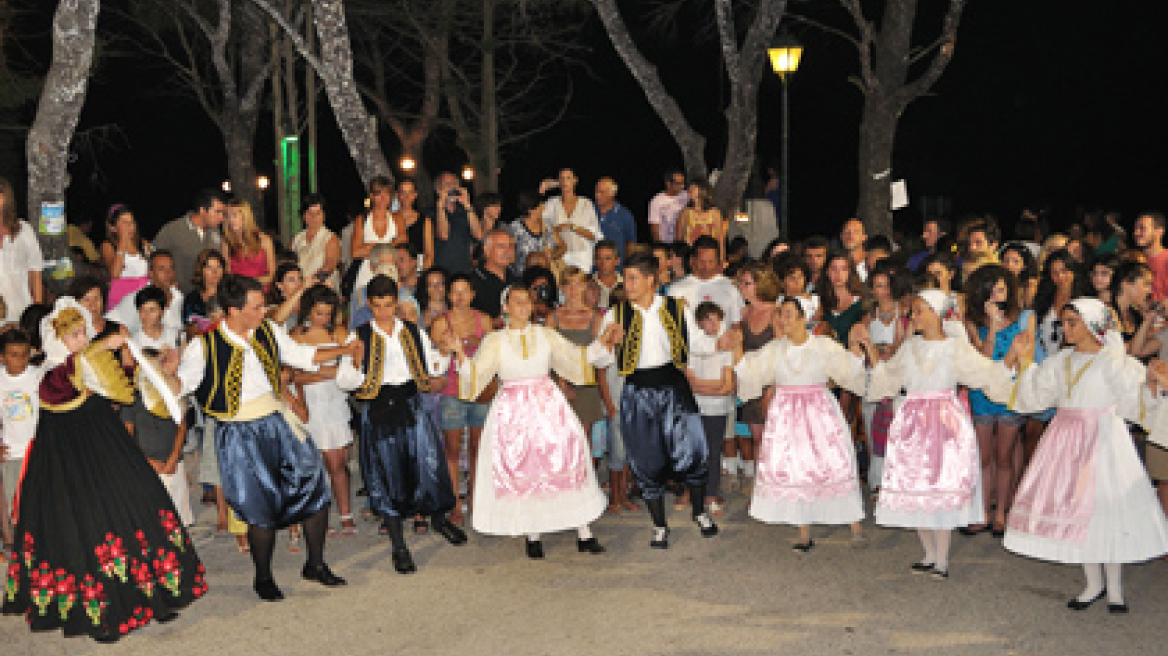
(1085, 498)
(101, 550)
(932, 475)
(806, 461)
(535, 473)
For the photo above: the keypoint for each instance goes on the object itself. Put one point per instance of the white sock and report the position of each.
(534, 537)
(941, 541)
(1114, 574)
(1094, 572)
(875, 471)
(584, 532)
(930, 547)
(704, 520)
(730, 464)
(748, 468)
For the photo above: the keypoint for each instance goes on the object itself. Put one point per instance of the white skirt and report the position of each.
(1127, 521)
(524, 516)
(328, 415)
(967, 515)
(179, 488)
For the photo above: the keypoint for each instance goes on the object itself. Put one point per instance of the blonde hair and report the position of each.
(67, 320)
(573, 274)
(1053, 242)
(767, 285)
(248, 241)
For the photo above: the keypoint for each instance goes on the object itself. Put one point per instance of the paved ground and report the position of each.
(742, 593)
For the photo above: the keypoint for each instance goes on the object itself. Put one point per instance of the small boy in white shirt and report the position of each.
(19, 410)
(712, 379)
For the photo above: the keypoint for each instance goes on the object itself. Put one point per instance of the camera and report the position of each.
(543, 293)
(454, 193)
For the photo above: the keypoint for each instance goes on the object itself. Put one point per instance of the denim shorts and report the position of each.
(457, 414)
(1009, 419)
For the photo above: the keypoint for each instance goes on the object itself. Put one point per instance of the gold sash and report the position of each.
(262, 406)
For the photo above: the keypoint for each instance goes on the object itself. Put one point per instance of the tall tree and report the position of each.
(63, 95)
(219, 52)
(334, 65)
(893, 73)
(744, 58)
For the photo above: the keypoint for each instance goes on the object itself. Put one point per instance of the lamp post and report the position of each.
(785, 52)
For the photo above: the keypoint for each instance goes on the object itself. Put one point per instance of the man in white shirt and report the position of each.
(273, 475)
(402, 459)
(21, 262)
(706, 282)
(666, 206)
(161, 275)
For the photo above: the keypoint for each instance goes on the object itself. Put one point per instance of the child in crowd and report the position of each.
(711, 376)
(147, 419)
(19, 409)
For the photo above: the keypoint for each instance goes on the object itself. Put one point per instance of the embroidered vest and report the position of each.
(374, 358)
(628, 352)
(222, 387)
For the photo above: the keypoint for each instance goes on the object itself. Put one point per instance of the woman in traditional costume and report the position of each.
(534, 470)
(100, 549)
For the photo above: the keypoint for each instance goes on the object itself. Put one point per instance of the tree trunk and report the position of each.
(487, 168)
(239, 142)
(692, 144)
(336, 57)
(877, 136)
(57, 113)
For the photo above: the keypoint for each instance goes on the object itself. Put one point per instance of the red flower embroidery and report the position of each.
(42, 586)
(173, 529)
(143, 577)
(93, 599)
(66, 590)
(112, 556)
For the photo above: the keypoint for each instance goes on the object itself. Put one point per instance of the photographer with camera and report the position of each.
(458, 225)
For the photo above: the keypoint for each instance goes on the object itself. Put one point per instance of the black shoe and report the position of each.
(660, 538)
(163, 618)
(535, 549)
(707, 525)
(267, 590)
(804, 547)
(322, 575)
(970, 532)
(446, 529)
(591, 545)
(1075, 604)
(939, 574)
(362, 492)
(921, 568)
(107, 637)
(1117, 609)
(403, 562)
(997, 532)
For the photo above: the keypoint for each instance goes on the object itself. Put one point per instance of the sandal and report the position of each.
(716, 509)
(293, 540)
(613, 509)
(348, 526)
(421, 527)
(629, 505)
(241, 544)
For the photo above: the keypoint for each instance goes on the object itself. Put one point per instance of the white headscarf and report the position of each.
(55, 350)
(942, 304)
(1101, 324)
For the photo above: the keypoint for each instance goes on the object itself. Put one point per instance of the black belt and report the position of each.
(388, 407)
(667, 375)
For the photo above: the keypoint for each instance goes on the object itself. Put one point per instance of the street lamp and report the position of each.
(408, 163)
(468, 173)
(262, 182)
(785, 52)
(226, 186)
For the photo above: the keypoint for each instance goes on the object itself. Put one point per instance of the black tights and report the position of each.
(697, 498)
(262, 542)
(395, 527)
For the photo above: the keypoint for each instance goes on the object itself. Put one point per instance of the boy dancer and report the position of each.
(402, 461)
(654, 336)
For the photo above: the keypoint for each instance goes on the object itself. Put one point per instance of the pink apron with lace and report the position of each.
(804, 452)
(538, 448)
(932, 460)
(1057, 494)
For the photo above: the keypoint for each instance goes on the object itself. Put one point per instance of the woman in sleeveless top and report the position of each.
(318, 249)
(579, 322)
(468, 326)
(994, 318)
(760, 286)
(249, 251)
(376, 227)
(125, 255)
(418, 227)
(328, 407)
(702, 217)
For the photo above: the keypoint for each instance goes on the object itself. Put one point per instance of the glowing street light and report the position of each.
(263, 182)
(468, 173)
(785, 52)
(408, 163)
(226, 186)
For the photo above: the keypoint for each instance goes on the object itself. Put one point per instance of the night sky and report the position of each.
(1044, 101)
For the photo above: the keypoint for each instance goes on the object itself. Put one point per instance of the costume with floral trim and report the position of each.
(99, 550)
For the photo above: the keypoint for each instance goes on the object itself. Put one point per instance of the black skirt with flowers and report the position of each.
(99, 549)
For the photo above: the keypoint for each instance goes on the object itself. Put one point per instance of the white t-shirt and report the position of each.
(663, 212)
(18, 256)
(19, 409)
(710, 367)
(720, 290)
